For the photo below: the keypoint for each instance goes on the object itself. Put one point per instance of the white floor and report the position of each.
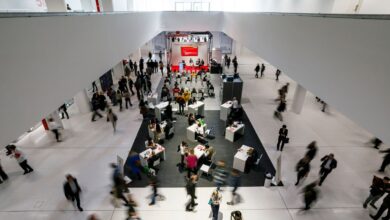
(88, 148)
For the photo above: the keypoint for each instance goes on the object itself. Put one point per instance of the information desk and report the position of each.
(241, 158)
(232, 132)
(145, 155)
(191, 131)
(199, 151)
(196, 108)
(159, 108)
(152, 98)
(225, 110)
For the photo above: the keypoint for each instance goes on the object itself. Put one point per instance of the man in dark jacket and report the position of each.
(262, 70)
(328, 164)
(72, 190)
(257, 69)
(283, 132)
(385, 206)
(95, 106)
(302, 168)
(377, 189)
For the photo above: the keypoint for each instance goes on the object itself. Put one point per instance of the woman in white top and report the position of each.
(183, 147)
(21, 158)
(216, 198)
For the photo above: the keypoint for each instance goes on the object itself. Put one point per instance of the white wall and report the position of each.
(46, 60)
(75, 5)
(120, 5)
(375, 7)
(23, 5)
(88, 5)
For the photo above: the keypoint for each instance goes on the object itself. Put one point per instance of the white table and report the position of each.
(199, 151)
(145, 155)
(241, 157)
(158, 109)
(196, 108)
(191, 131)
(225, 110)
(152, 98)
(232, 131)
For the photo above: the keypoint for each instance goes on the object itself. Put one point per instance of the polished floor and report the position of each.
(88, 148)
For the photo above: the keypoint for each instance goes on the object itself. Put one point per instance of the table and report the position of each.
(232, 131)
(199, 151)
(196, 108)
(152, 98)
(145, 155)
(191, 131)
(225, 110)
(158, 109)
(241, 157)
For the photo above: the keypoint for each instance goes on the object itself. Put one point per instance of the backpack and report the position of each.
(236, 215)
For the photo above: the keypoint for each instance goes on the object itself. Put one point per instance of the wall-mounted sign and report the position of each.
(189, 51)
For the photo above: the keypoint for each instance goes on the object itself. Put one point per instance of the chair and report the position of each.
(207, 168)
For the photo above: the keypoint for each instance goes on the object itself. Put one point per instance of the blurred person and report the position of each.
(153, 183)
(131, 85)
(277, 74)
(3, 175)
(153, 157)
(228, 62)
(168, 111)
(95, 106)
(182, 148)
(180, 100)
(143, 110)
(280, 109)
(133, 162)
(64, 111)
(385, 206)
(20, 158)
(377, 190)
(54, 127)
(262, 70)
(234, 182)
(192, 163)
(257, 69)
(215, 201)
(209, 152)
(376, 142)
(126, 95)
(72, 190)
(328, 164)
(310, 195)
(311, 150)
(190, 187)
(282, 139)
(119, 184)
(93, 217)
(191, 119)
(119, 99)
(111, 117)
(220, 174)
(131, 212)
(235, 64)
(302, 168)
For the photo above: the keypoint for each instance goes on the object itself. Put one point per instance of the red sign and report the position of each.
(189, 51)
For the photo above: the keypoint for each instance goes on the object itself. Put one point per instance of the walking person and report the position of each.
(277, 74)
(262, 70)
(119, 99)
(54, 127)
(377, 190)
(376, 142)
(235, 64)
(215, 201)
(119, 185)
(111, 117)
(386, 160)
(220, 174)
(385, 206)
(235, 182)
(131, 85)
(20, 158)
(192, 163)
(190, 187)
(182, 148)
(280, 109)
(302, 168)
(126, 95)
(311, 150)
(3, 175)
(328, 164)
(95, 106)
(282, 139)
(228, 62)
(72, 190)
(257, 69)
(154, 184)
(310, 195)
(64, 111)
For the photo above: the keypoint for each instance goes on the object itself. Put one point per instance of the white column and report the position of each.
(82, 101)
(108, 6)
(56, 5)
(130, 5)
(299, 99)
(88, 5)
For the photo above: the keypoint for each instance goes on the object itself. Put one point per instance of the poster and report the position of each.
(189, 51)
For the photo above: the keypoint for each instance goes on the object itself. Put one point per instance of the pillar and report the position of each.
(108, 6)
(82, 101)
(299, 99)
(130, 5)
(56, 5)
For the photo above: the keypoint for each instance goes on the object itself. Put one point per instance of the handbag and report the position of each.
(210, 201)
(287, 140)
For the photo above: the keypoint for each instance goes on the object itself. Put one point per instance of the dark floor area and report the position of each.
(169, 175)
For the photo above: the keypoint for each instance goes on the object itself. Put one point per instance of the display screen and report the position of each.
(189, 51)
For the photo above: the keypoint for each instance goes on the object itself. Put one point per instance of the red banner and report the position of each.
(189, 51)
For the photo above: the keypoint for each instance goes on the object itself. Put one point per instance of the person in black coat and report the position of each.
(95, 106)
(385, 206)
(72, 190)
(328, 164)
(190, 187)
(283, 132)
(262, 70)
(302, 168)
(386, 160)
(311, 150)
(257, 69)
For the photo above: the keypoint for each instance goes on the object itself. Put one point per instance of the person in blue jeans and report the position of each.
(215, 200)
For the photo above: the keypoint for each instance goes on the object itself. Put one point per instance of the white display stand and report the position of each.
(241, 157)
(225, 110)
(158, 109)
(152, 98)
(191, 131)
(145, 155)
(196, 108)
(199, 151)
(231, 131)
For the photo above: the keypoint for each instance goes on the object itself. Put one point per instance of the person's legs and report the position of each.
(325, 173)
(66, 113)
(120, 105)
(278, 144)
(381, 210)
(375, 199)
(23, 166)
(3, 175)
(181, 160)
(384, 164)
(299, 177)
(28, 166)
(77, 197)
(282, 145)
(114, 125)
(369, 199)
(215, 211)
